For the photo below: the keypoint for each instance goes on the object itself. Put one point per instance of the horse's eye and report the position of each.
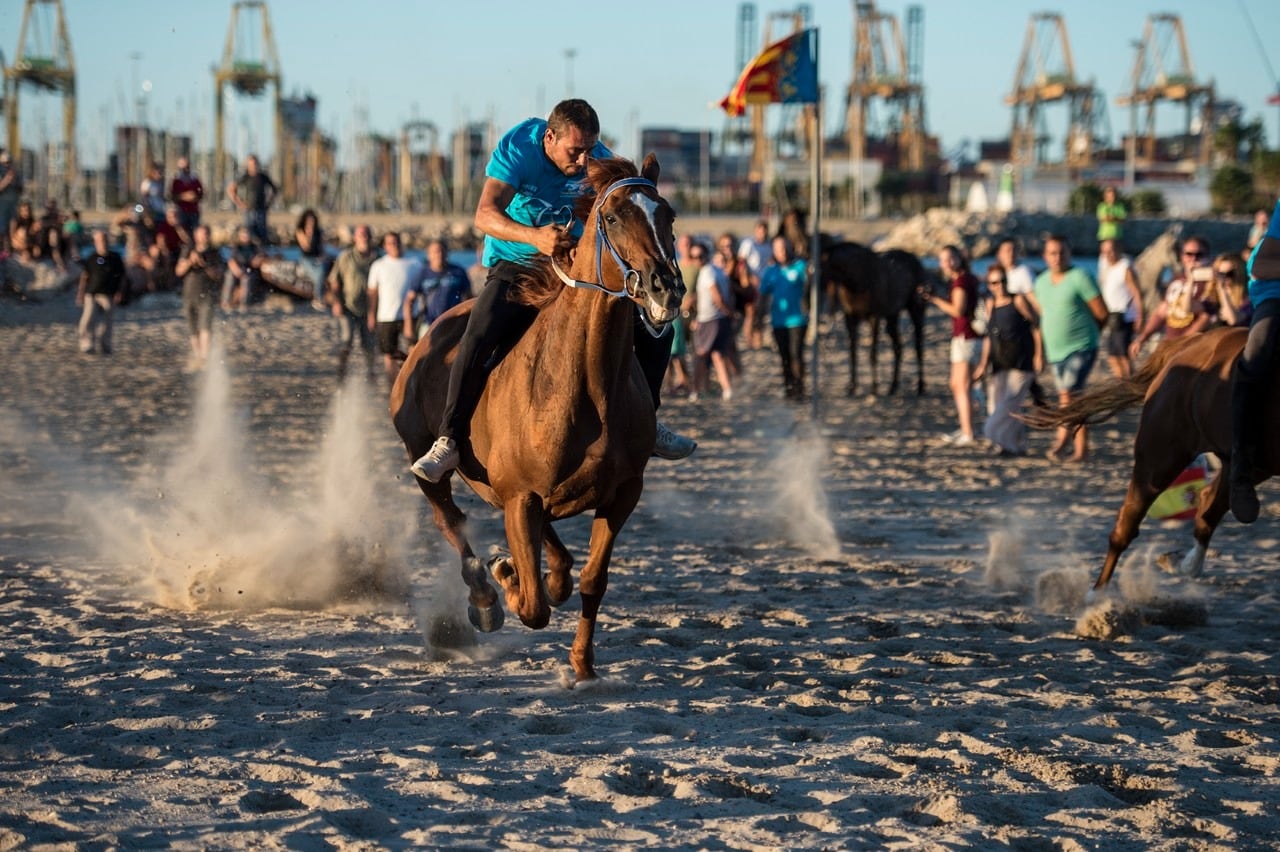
(611, 220)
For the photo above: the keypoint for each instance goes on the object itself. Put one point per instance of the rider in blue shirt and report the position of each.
(1250, 391)
(531, 182)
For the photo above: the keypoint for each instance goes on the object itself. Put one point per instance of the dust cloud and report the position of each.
(215, 533)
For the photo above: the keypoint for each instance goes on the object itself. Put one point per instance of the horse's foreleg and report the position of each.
(525, 522)
(1214, 500)
(559, 564)
(594, 578)
(1153, 472)
(873, 355)
(484, 612)
(917, 323)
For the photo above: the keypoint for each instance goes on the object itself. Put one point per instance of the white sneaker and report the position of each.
(669, 445)
(439, 460)
(950, 437)
(963, 441)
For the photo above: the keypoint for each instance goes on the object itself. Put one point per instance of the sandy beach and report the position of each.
(225, 613)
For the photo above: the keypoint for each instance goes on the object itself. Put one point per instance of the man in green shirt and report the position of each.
(1111, 216)
(1071, 312)
(349, 299)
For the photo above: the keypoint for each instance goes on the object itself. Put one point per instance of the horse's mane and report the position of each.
(601, 174)
(541, 286)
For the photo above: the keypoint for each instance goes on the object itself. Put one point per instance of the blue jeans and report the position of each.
(1071, 372)
(256, 222)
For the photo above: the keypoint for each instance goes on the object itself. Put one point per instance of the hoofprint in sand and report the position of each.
(229, 623)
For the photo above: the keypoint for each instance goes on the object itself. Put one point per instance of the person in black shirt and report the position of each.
(253, 193)
(1012, 354)
(241, 281)
(201, 270)
(101, 289)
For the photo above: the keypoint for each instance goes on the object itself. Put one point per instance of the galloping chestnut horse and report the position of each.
(1185, 391)
(566, 423)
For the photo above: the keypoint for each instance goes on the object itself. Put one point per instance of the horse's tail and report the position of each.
(1105, 402)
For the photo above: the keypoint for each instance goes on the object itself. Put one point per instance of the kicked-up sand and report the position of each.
(227, 622)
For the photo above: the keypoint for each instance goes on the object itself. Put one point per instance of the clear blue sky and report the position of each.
(652, 63)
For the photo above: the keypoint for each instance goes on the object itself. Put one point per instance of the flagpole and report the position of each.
(815, 256)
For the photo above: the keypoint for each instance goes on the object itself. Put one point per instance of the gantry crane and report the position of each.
(1039, 81)
(1163, 71)
(48, 65)
(248, 74)
(883, 72)
(737, 131)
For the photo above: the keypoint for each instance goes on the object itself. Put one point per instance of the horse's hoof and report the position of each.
(503, 570)
(485, 620)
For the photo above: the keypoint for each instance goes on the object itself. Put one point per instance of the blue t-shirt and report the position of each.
(443, 289)
(1266, 288)
(786, 285)
(544, 194)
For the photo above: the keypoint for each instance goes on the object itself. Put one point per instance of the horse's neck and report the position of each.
(591, 328)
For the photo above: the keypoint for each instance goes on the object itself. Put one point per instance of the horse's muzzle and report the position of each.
(661, 295)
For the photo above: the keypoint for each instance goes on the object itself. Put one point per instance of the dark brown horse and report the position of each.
(1185, 391)
(566, 422)
(867, 285)
(877, 286)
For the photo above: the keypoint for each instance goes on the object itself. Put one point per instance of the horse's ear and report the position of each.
(649, 171)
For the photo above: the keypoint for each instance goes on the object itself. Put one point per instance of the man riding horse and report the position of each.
(1251, 388)
(525, 210)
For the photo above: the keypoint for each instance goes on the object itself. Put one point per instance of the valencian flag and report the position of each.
(784, 73)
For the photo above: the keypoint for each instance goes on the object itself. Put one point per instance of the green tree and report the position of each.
(1147, 202)
(892, 187)
(1085, 198)
(1231, 190)
(1266, 175)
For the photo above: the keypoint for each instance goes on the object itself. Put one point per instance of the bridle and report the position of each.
(630, 276)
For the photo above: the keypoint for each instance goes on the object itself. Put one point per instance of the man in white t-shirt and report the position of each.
(1120, 291)
(1018, 276)
(390, 277)
(754, 252)
(713, 323)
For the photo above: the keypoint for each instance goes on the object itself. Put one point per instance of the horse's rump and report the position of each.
(901, 272)
(1205, 359)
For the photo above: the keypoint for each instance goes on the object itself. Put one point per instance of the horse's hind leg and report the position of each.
(484, 612)
(895, 338)
(1214, 500)
(594, 578)
(559, 564)
(1154, 469)
(526, 523)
